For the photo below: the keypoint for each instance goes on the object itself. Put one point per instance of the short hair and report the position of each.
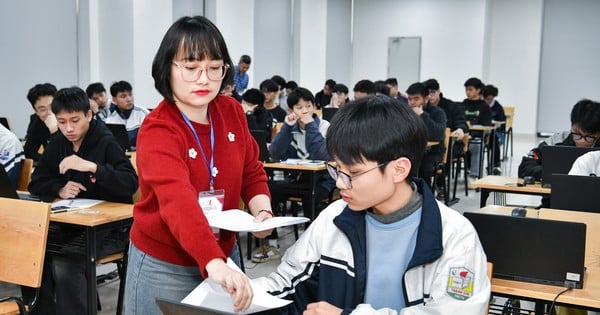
(198, 39)
(120, 86)
(300, 93)
(340, 88)
(94, 88)
(279, 80)
(398, 130)
(269, 85)
(245, 59)
(474, 82)
(39, 90)
(586, 114)
(330, 83)
(489, 90)
(254, 96)
(365, 86)
(432, 84)
(392, 81)
(71, 99)
(292, 85)
(417, 88)
(382, 88)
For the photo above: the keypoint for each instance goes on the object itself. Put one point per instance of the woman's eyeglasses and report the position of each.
(192, 72)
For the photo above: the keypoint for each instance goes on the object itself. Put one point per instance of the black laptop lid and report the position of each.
(261, 139)
(121, 135)
(7, 190)
(572, 192)
(558, 159)
(168, 307)
(328, 113)
(532, 250)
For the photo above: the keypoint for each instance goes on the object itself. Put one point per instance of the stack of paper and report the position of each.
(241, 221)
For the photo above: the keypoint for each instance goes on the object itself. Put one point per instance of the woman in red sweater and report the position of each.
(195, 153)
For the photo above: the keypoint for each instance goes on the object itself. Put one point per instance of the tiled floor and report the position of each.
(522, 144)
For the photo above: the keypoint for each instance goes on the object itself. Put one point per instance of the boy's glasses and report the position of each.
(588, 138)
(192, 72)
(347, 179)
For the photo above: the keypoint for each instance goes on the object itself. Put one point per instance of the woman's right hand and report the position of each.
(235, 283)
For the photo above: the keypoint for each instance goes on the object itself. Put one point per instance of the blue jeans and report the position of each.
(149, 278)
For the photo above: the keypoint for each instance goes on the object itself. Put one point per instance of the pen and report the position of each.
(65, 210)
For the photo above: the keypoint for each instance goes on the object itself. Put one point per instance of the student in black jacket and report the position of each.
(490, 93)
(477, 112)
(83, 161)
(42, 124)
(257, 116)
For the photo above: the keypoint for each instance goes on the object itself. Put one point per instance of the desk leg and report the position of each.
(485, 193)
(92, 293)
(492, 153)
(481, 154)
(313, 184)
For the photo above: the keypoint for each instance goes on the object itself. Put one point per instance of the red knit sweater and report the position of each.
(168, 221)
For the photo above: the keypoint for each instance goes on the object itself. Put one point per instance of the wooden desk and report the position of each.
(506, 184)
(490, 130)
(587, 297)
(312, 170)
(105, 216)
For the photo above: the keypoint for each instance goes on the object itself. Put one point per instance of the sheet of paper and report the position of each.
(241, 221)
(302, 162)
(209, 294)
(75, 203)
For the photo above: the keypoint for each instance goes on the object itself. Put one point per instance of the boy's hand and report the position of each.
(70, 190)
(291, 119)
(321, 308)
(74, 162)
(51, 123)
(458, 133)
(417, 109)
(306, 118)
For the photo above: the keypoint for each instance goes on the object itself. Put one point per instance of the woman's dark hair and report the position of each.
(199, 39)
(398, 130)
(70, 100)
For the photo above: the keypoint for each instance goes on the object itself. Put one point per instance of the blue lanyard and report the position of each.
(210, 165)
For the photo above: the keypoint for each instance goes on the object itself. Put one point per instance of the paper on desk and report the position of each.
(78, 203)
(241, 221)
(209, 294)
(302, 162)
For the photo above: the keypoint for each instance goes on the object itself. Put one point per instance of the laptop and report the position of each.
(578, 193)
(558, 159)
(261, 139)
(121, 135)
(328, 113)
(7, 190)
(533, 250)
(169, 307)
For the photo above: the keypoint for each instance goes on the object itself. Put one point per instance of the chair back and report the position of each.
(25, 176)
(446, 144)
(276, 129)
(509, 111)
(23, 235)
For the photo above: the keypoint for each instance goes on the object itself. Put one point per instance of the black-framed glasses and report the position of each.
(589, 138)
(346, 178)
(192, 72)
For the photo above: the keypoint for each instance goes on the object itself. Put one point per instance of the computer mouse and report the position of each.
(528, 180)
(518, 212)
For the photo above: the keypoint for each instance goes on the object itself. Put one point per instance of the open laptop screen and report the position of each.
(558, 159)
(578, 193)
(532, 250)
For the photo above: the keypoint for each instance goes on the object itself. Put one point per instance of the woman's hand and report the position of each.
(235, 283)
(321, 308)
(261, 216)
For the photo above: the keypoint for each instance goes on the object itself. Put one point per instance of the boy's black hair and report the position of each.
(392, 81)
(39, 90)
(432, 84)
(398, 130)
(474, 82)
(586, 114)
(121, 86)
(382, 88)
(71, 99)
(300, 93)
(254, 96)
(94, 88)
(489, 90)
(340, 88)
(417, 88)
(292, 85)
(365, 86)
(269, 85)
(246, 59)
(199, 39)
(279, 80)
(330, 83)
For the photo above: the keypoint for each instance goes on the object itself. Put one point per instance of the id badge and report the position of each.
(211, 203)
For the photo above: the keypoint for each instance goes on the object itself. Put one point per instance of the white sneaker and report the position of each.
(266, 253)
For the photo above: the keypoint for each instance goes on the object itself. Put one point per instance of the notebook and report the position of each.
(169, 307)
(533, 250)
(121, 135)
(558, 159)
(572, 192)
(7, 190)
(261, 139)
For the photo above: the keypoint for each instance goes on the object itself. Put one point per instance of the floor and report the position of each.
(522, 144)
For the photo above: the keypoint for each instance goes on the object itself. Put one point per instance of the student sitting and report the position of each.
(124, 112)
(83, 161)
(42, 124)
(388, 246)
(11, 154)
(490, 93)
(477, 112)
(587, 165)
